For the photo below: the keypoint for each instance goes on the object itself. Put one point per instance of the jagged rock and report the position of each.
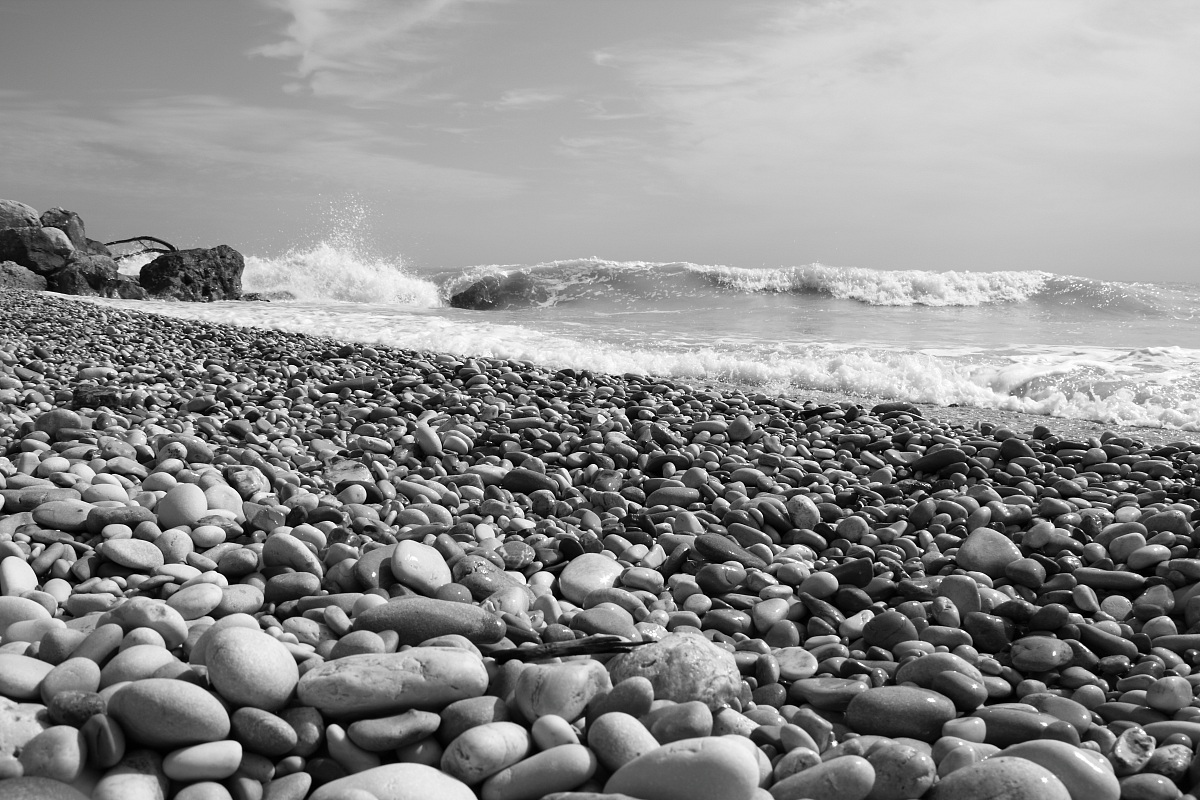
(14, 214)
(128, 288)
(14, 276)
(197, 275)
(69, 223)
(514, 290)
(90, 395)
(98, 248)
(85, 275)
(258, 297)
(43, 250)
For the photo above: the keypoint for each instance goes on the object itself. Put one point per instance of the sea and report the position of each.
(1019, 340)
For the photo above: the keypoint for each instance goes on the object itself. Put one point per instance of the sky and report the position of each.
(1059, 135)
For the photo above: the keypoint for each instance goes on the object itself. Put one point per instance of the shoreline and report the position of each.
(342, 568)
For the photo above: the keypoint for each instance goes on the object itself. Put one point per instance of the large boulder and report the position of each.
(87, 275)
(69, 223)
(197, 275)
(43, 250)
(14, 214)
(14, 276)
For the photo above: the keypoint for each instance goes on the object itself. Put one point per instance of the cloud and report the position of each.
(214, 142)
(523, 100)
(1015, 102)
(367, 52)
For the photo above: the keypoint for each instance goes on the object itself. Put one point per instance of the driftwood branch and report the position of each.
(166, 248)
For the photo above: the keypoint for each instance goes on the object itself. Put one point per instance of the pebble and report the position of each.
(480, 752)
(250, 668)
(1001, 778)
(426, 678)
(836, 568)
(682, 667)
(395, 782)
(704, 767)
(847, 777)
(211, 761)
(158, 712)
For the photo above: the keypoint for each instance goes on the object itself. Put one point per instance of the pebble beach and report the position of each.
(262, 565)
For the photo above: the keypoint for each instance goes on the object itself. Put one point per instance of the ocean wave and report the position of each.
(1155, 387)
(629, 283)
(327, 271)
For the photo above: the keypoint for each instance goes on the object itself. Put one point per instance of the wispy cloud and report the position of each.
(366, 52)
(523, 100)
(209, 139)
(856, 96)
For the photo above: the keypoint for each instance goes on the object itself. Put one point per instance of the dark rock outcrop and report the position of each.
(43, 250)
(69, 223)
(516, 290)
(14, 276)
(14, 214)
(85, 274)
(197, 275)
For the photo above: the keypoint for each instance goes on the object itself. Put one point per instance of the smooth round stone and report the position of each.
(144, 612)
(63, 515)
(59, 752)
(900, 711)
(21, 676)
(388, 733)
(262, 732)
(183, 504)
(687, 769)
(20, 609)
(135, 554)
(682, 667)
(1086, 774)
(249, 668)
(889, 629)
(1146, 557)
(16, 577)
(211, 790)
(618, 738)
(425, 678)
(284, 550)
(418, 619)
(556, 769)
(1040, 653)
(987, 551)
(32, 788)
(164, 713)
(1001, 778)
(841, 778)
(827, 694)
(681, 721)
(900, 772)
(134, 663)
(241, 598)
(586, 573)
(1069, 711)
(923, 670)
(419, 567)
(965, 692)
(562, 689)
(211, 761)
(1008, 726)
(197, 600)
(1148, 786)
(482, 751)
(396, 782)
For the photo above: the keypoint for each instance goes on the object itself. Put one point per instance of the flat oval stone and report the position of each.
(586, 573)
(900, 711)
(923, 670)
(389, 733)
(827, 694)
(901, 771)
(556, 769)
(63, 515)
(211, 761)
(1009, 726)
(987, 551)
(889, 629)
(687, 769)
(618, 738)
(1040, 653)
(135, 554)
(144, 612)
(1001, 778)
(250, 668)
(419, 567)
(562, 689)
(1087, 775)
(396, 782)
(841, 778)
(34, 788)
(19, 609)
(183, 504)
(418, 619)
(21, 676)
(682, 667)
(482, 751)
(59, 752)
(164, 713)
(197, 600)
(425, 678)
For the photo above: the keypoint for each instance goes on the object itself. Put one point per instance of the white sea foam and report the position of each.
(1155, 387)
